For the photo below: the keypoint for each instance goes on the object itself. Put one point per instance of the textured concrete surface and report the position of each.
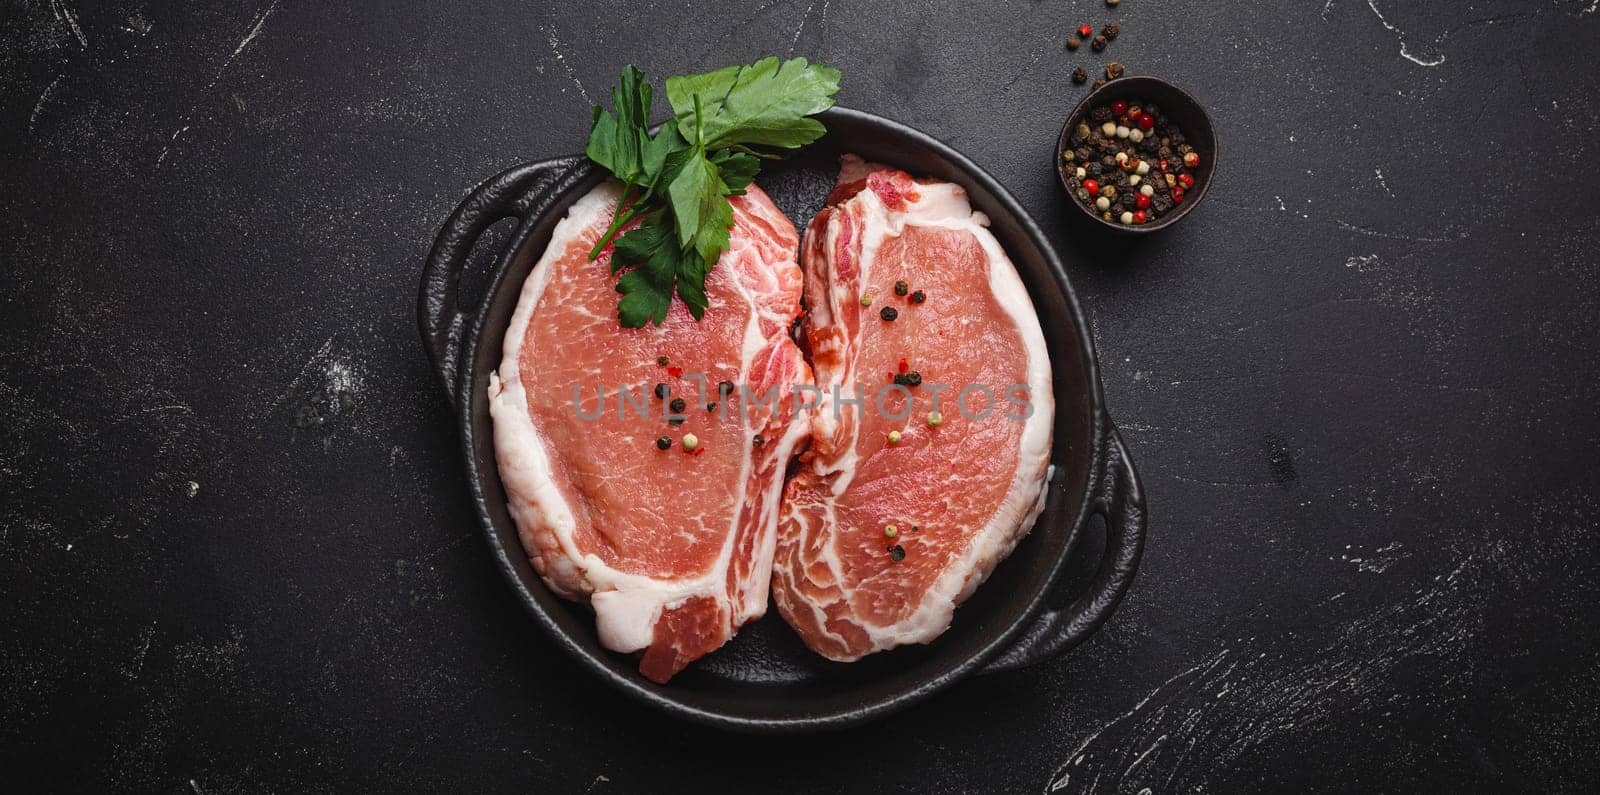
(236, 551)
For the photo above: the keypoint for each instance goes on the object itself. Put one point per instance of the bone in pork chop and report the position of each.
(673, 549)
(959, 495)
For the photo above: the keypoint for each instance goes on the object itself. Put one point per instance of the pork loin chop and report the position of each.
(959, 495)
(673, 549)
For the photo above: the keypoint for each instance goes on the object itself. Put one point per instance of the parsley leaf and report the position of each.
(676, 183)
(617, 141)
(738, 168)
(763, 104)
(647, 289)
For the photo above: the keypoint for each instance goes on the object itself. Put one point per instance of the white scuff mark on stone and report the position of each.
(1235, 702)
(1328, 6)
(168, 148)
(255, 30)
(793, 42)
(64, 14)
(138, 24)
(1382, 183)
(561, 58)
(136, 665)
(1363, 263)
(342, 379)
(1077, 757)
(43, 98)
(802, 26)
(1590, 9)
(1379, 560)
(1401, 36)
(192, 489)
(305, 369)
(1361, 230)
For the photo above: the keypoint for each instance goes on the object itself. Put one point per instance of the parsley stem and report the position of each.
(618, 221)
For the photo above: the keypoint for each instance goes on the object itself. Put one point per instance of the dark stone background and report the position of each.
(236, 551)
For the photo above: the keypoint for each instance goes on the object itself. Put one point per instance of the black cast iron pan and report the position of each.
(764, 679)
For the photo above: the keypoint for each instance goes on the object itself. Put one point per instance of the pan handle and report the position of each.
(514, 193)
(1120, 501)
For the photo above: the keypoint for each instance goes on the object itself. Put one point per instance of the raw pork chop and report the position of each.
(960, 495)
(673, 550)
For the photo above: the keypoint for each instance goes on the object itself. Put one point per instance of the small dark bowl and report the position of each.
(1178, 106)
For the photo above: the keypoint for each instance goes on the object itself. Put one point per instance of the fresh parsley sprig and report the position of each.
(677, 182)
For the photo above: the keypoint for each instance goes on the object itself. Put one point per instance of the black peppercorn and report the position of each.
(889, 313)
(913, 378)
(901, 288)
(1098, 82)
(1073, 42)
(663, 361)
(899, 379)
(1100, 114)
(661, 390)
(1111, 30)
(758, 440)
(675, 421)
(897, 553)
(724, 389)
(918, 297)
(1079, 76)
(1114, 70)
(712, 406)
(677, 405)
(664, 443)
(1099, 44)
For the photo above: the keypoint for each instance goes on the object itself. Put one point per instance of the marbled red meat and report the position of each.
(960, 495)
(673, 550)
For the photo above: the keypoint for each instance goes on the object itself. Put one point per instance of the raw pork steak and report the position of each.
(673, 550)
(960, 495)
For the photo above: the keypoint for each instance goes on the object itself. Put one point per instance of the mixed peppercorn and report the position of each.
(1097, 42)
(1129, 163)
(897, 552)
(903, 376)
(675, 408)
